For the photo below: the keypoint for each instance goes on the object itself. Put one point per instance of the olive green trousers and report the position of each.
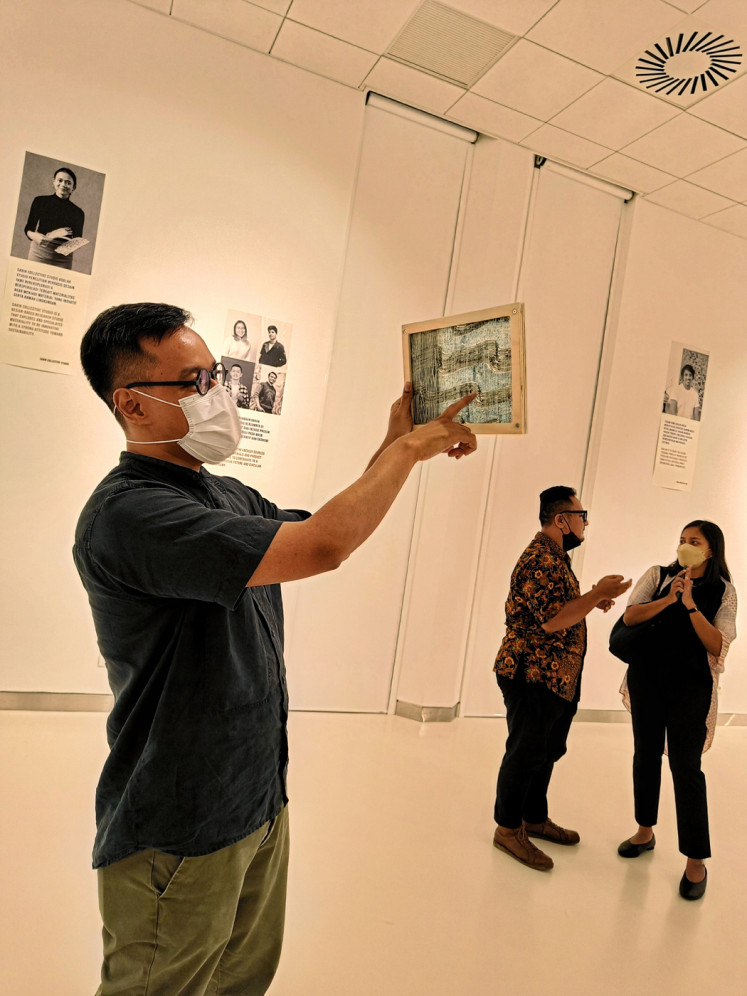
(206, 926)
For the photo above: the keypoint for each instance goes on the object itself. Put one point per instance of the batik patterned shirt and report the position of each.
(541, 584)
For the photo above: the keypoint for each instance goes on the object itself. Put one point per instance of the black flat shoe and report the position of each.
(692, 890)
(629, 850)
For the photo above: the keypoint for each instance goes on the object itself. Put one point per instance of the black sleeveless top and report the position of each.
(674, 642)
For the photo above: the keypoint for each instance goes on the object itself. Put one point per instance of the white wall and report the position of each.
(683, 281)
(229, 178)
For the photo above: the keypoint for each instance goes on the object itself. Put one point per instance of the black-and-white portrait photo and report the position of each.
(58, 213)
(273, 351)
(242, 336)
(239, 375)
(267, 393)
(686, 378)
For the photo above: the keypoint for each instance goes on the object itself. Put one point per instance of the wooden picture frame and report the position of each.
(482, 351)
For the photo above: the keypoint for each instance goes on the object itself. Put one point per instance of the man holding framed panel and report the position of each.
(183, 573)
(538, 668)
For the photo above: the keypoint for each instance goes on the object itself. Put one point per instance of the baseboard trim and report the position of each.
(426, 714)
(56, 702)
(93, 702)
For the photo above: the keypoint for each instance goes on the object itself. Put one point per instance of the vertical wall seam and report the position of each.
(606, 354)
(424, 473)
(494, 455)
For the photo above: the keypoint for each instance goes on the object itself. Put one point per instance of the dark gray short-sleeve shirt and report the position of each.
(197, 735)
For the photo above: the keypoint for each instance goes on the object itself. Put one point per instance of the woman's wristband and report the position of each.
(690, 611)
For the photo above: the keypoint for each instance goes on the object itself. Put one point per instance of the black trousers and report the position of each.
(665, 701)
(538, 724)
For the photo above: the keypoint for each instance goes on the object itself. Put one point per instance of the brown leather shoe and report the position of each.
(517, 844)
(551, 831)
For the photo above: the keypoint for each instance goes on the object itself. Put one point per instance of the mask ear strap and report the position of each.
(152, 398)
(151, 442)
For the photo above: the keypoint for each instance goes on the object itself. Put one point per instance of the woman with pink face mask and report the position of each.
(670, 689)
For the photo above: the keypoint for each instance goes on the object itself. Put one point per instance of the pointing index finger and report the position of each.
(453, 410)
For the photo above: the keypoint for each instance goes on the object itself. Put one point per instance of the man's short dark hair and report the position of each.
(554, 500)
(112, 352)
(687, 367)
(272, 328)
(66, 169)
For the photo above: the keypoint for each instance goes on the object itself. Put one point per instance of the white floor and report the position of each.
(395, 888)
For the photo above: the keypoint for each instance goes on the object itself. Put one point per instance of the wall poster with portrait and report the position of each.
(679, 421)
(253, 367)
(481, 351)
(52, 248)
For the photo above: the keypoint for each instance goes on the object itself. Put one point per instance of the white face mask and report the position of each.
(214, 425)
(690, 556)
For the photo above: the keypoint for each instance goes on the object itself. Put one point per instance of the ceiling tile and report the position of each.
(535, 81)
(162, 6)
(412, 87)
(732, 13)
(516, 16)
(490, 118)
(603, 35)
(726, 108)
(277, 6)
(233, 19)
(688, 199)
(688, 6)
(371, 24)
(556, 144)
(683, 144)
(733, 220)
(317, 52)
(727, 177)
(630, 173)
(613, 114)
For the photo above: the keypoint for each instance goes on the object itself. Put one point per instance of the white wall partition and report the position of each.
(565, 282)
(342, 642)
(684, 282)
(452, 499)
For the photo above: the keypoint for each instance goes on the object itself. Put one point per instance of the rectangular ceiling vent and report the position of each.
(449, 44)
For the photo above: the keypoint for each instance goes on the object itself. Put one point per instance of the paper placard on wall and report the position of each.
(46, 292)
(41, 316)
(254, 358)
(679, 423)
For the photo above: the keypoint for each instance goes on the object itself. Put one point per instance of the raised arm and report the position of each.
(322, 542)
(400, 421)
(606, 589)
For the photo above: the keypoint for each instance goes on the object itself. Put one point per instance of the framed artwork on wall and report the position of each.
(481, 351)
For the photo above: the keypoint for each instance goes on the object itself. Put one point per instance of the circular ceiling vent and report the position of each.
(677, 67)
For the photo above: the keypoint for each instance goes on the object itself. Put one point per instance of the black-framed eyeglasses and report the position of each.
(577, 511)
(201, 382)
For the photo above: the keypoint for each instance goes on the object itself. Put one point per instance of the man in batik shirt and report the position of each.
(539, 673)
